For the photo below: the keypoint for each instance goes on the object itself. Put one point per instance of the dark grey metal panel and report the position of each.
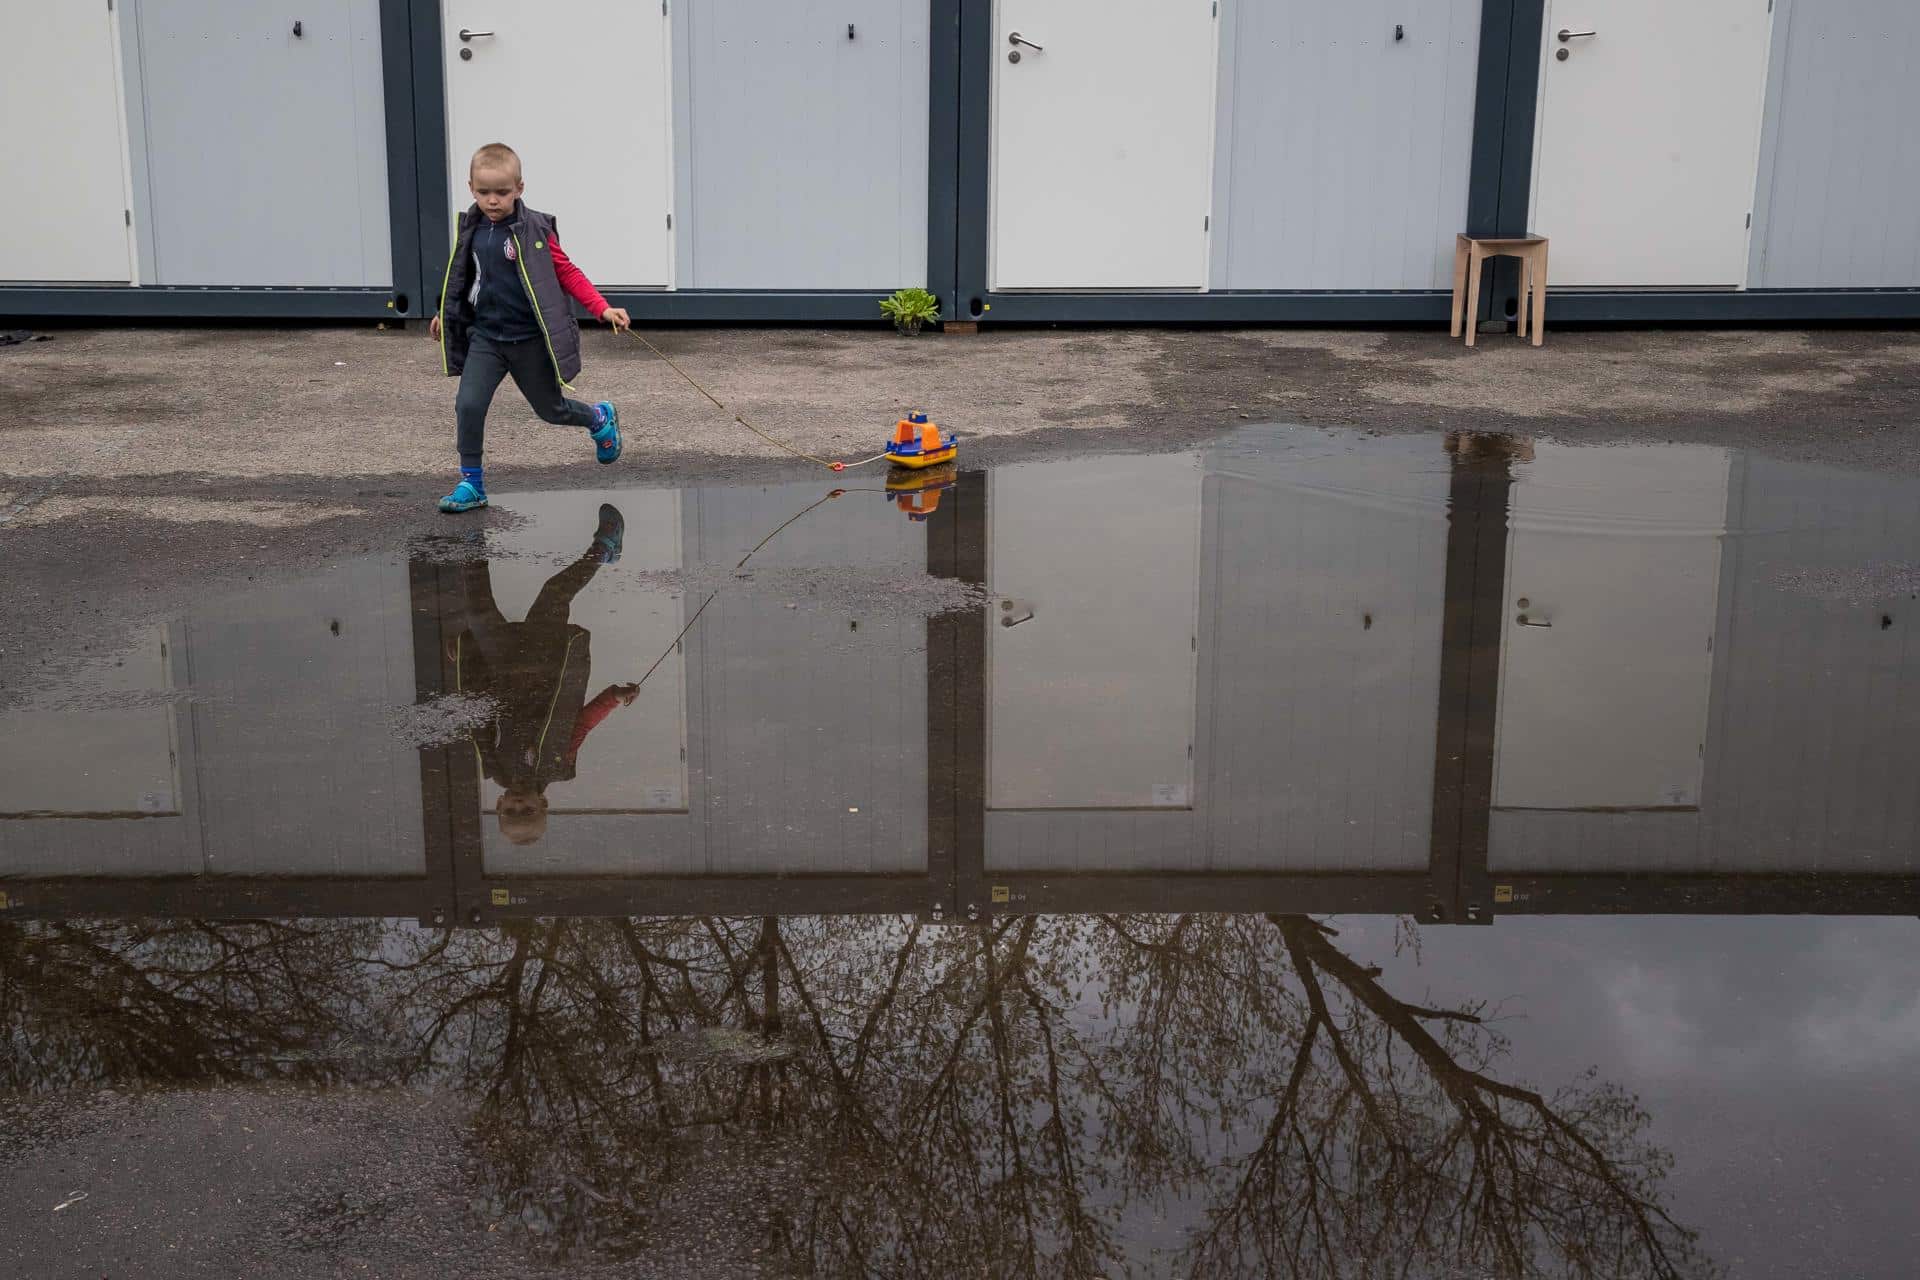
(199, 304)
(403, 161)
(267, 156)
(432, 197)
(943, 151)
(809, 146)
(1730, 307)
(1218, 308)
(1342, 149)
(750, 305)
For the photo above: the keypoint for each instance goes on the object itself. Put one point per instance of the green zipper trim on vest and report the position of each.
(566, 660)
(520, 261)
(446, 369)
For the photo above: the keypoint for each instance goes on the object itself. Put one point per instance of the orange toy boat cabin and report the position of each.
(918, 443)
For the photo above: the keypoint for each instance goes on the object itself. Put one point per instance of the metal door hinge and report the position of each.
(1216, 8)
(663, 8)
(669, 222)
(1749, 219)
(129, 214)
(1206, 223)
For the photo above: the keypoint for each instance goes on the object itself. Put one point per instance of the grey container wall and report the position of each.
(287, 764)
(802, 150)
(259, 155)
(1322, 586)
(1342, 154)
(813, 172)
(1840, 158)
(816, 731)
(806, 741)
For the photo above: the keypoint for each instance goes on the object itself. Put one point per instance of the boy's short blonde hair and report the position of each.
(495, 155)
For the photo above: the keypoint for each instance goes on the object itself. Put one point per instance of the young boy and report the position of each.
(503, 310)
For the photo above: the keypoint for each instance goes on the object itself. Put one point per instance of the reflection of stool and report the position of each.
(1470, 252)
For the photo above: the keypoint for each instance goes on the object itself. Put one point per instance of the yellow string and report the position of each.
(741, 419)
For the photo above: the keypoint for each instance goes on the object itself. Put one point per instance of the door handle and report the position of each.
(1566, 35)
(1017, 38)
(466, 35)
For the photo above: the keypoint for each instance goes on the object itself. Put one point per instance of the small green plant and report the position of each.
(910, 308)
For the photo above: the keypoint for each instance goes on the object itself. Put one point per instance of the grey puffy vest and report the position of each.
(533, 237)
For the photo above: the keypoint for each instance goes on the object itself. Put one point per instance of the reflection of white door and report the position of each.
(1648, 140)
(605, 176)
(63, 147)
(1091, 652)
(1613, 572)
(118, 761)
(1102, 144)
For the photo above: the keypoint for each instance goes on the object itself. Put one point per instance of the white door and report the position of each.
(63, 147)
(1613, 562)
(1092, 648)
(602, 165)
(1648, 141)
(1102, 143)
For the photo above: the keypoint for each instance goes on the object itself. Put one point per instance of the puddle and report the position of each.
(1318, 852)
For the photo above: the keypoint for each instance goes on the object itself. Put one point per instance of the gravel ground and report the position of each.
(141, 468)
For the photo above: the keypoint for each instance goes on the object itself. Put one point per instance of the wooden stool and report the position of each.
(1470, 252)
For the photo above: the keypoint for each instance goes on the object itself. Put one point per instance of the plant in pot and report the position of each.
(909, 309)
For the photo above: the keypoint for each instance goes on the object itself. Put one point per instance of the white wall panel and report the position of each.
(62, 145)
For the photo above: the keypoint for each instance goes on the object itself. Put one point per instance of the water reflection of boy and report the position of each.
(536, 672)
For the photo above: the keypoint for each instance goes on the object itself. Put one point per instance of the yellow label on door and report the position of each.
(1503, 893)
(501, 897)
(1000, 893)
(4, 904)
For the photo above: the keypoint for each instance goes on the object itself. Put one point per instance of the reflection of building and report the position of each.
(1285, 675)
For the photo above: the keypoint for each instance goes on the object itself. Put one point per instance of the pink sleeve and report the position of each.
(593, 713)
(575, 281)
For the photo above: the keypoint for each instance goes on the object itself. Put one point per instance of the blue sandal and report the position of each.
(463, 498)
(606, 438)
(611, 535)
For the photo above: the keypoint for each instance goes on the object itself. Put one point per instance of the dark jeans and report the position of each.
(532, 369)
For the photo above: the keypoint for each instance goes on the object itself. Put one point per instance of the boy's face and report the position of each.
(523, 816)
(495, 190)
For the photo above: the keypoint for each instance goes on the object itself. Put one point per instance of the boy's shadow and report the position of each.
(536, 672)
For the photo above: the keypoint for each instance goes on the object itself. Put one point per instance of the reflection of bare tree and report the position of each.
(1390, 1144)
(883, 1099)
(1039, 1096)
(82, 1002)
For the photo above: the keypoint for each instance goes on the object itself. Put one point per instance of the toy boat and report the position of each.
(918, 443)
